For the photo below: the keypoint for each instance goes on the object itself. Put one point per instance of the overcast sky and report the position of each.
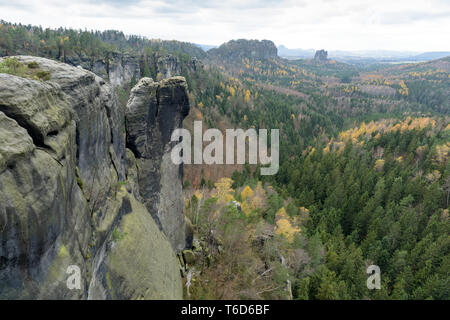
(408, 25)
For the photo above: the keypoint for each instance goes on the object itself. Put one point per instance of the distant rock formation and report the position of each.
(238, 49)
(321, 55)
(72, 194)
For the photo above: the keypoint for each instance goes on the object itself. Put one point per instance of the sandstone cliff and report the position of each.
(154, 111)
(120, 69)
(71, 193)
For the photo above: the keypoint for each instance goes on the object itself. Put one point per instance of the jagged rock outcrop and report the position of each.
(239, 49)
(120, 69)
(123, 69)
(154, 110)
(69, 193)
(321, 55)
(117, 68)
(168, 66)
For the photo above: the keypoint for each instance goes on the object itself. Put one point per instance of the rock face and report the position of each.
(321, 55)
(154, 111)
(70, 191)
(120, 69)
(239, 49)
(168, 66)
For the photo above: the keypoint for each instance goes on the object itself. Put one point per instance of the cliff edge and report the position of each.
(72, 194)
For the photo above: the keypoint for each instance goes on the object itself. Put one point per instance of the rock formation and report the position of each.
(120, 69)
(117, 68)
(71, 194)
(321, 55)
(168, 66)
(154, 111)
(239, 49)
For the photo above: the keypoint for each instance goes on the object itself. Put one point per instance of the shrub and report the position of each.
(33, 65)
(43, 75)
(12, 66)
(117, 235)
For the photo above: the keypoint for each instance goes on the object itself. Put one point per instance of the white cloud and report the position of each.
(412, 25)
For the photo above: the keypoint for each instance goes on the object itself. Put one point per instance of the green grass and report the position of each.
(117, 235)
(30, 71)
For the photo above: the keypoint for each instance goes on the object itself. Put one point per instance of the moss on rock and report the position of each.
(141, 264)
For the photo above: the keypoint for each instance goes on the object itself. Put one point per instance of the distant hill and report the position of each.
(364, 56)
(431, 55)
(298, 53)
(239, 49)
(17, 39)
(206, 47)
(356, 57)
(397, 58)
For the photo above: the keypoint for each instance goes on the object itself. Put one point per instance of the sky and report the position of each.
(400, 25)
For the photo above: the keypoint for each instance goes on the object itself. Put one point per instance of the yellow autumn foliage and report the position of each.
(366, 130)
(284, 226)
(442, 153)
(246, 193)
(304, 210)
(379, 165)
(403, 88)
(246, 208)
(247, 96)
(281, 214)
(198, 194)
(231, 90)
(223, 191)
